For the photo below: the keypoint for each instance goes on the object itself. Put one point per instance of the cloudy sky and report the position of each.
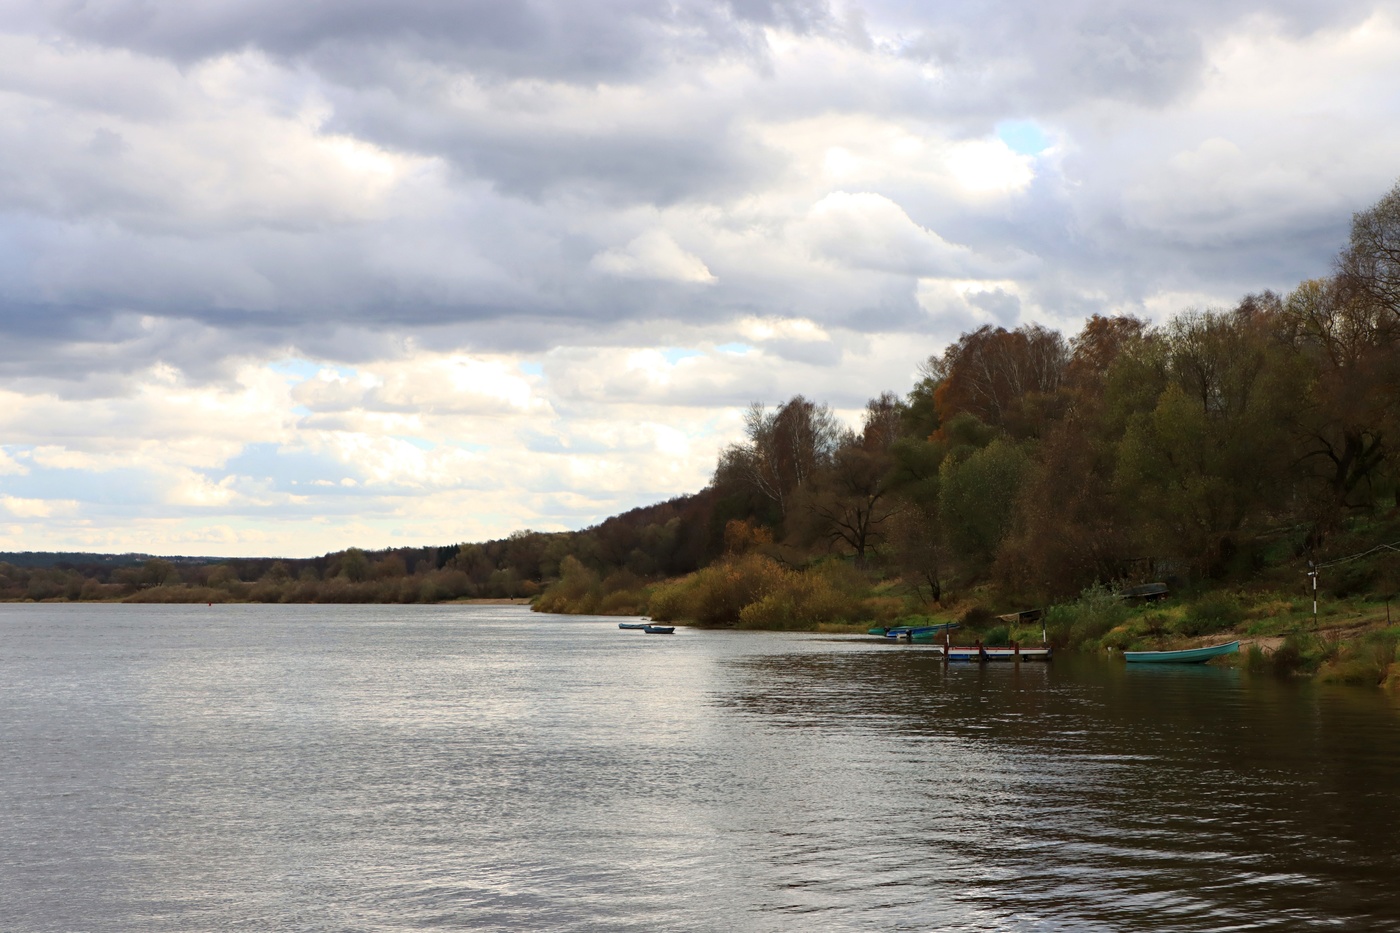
(283, 277)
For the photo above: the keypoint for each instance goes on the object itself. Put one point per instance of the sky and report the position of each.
(280, 278)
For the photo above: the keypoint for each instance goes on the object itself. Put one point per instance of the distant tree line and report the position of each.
(666, 539)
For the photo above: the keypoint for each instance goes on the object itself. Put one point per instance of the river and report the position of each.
(386, 768)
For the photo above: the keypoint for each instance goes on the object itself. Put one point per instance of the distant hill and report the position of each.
(66, 559)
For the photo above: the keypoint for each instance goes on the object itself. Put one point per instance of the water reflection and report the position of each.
(386, 768)
(1176, 798)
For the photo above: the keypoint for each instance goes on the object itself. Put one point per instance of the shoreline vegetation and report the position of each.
(1236, 457)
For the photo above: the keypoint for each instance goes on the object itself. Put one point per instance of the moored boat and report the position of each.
(1183, 656)
(916, 632)
(659, 629)
(632, 624)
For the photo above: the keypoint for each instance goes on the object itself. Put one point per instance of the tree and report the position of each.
(977, 494)
(277, 574)
(1342, 421)
(1068, 532)
(1371, 262)
(784, 450)
(1211, 455)
(354, 565)
(849, 499)
(158, 572)
(1094, 351)
(1003, 378)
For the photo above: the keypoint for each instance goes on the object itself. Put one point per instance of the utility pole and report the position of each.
(1312, 572)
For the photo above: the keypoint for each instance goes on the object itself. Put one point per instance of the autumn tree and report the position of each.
(1098, 345)
(782, 452)
(1006, 379)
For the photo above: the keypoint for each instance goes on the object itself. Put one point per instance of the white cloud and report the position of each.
(653, 255)
(37, 508)
(871, 231)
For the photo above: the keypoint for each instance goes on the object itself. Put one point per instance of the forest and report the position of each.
(1224, 447)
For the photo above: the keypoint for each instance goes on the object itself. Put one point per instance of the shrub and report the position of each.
(1297, 655)
(723, 589)
(798, 601)
(1085, 621)
(999, 635)
(977, 617)
(1211, 613)
(578, 589)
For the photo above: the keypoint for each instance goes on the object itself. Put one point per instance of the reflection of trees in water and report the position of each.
(1111, 788)
(900, 689)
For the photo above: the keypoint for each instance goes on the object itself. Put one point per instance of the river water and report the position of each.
(370, 768)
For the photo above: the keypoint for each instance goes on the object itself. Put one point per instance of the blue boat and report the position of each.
(918, 633)
(659, 629)
(1184, 656)
(633, 624)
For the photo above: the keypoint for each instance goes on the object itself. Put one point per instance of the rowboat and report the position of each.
(632, 624)
(915, 633)
(659, 629)
(1184, 656)
(982, 653)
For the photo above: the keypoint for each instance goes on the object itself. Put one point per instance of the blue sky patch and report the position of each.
(1023, 136)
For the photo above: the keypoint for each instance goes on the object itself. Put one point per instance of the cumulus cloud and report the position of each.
(653, 255)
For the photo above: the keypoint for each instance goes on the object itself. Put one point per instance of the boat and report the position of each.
(659, 629)
(633, 624)
(981, 653)
(916, 633)
(1183, 656)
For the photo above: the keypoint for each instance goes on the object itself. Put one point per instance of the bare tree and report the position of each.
(784, 449)
(1371, 262)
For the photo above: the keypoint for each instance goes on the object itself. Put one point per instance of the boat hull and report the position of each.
(1184, 656)
(916, 633)
(660, 629)
(637, 625)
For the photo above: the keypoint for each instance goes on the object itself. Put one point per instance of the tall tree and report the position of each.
(1371, 261)
(1210, 456)
(851, 503)
(1003, 378)
(784, 449)
(1348, 342)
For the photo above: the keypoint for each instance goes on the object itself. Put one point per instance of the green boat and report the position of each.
(1184, 656)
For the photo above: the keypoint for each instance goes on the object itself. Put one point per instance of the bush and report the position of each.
(978, 617)
(999, 635)
(799, 601)
(1213, 612)
(1297, 655)
(577, 591)
(1086, 621)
